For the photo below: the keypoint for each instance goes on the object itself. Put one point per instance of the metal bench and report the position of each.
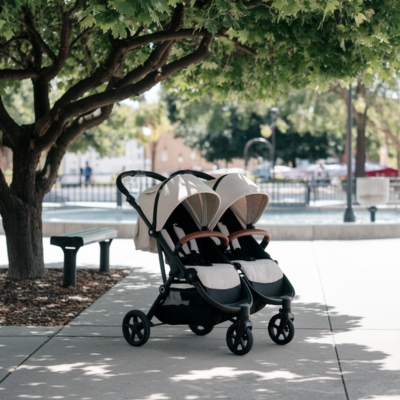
(72, 242)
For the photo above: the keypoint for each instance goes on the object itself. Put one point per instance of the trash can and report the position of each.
(371, 192)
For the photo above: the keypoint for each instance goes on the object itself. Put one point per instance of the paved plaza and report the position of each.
(346, 345)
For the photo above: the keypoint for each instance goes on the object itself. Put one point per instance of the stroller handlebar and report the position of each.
(250, 232)
(199, 174)
(122, 188)
(204, 234)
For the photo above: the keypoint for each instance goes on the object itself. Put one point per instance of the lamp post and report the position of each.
(274, 115)
(249, 143)
(349, 213)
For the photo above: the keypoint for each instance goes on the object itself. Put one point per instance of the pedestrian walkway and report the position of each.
(346, 344)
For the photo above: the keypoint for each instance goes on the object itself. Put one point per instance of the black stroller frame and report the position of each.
(136, 325)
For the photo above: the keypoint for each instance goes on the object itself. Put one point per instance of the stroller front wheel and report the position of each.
(239, 345)
(279, 336)
(136, 328)
(200, 329)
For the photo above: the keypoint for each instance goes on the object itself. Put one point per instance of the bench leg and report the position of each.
(105, 255)
(69, 275)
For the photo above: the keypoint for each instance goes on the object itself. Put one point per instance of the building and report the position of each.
(104, 169)
(172, 155)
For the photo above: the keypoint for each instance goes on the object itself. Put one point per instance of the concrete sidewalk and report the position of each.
(346, 344)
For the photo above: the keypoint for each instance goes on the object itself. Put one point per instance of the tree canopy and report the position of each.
(83, 56)
(308, 126)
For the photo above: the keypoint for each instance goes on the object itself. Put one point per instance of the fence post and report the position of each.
(308, 192)
(119, 199)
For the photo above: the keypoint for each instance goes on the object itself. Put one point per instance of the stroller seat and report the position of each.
(264, 274)
(242, 205)
(219, 279)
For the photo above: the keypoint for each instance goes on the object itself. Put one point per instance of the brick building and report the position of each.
(172, 155)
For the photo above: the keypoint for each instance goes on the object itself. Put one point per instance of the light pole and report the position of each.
(349, 213)
(274, 115)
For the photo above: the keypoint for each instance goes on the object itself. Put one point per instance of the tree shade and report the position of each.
(82, 57)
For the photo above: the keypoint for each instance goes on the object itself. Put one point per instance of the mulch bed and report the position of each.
(44, 302)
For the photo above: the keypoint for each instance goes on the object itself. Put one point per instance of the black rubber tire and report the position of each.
(200, 329)
(239, 346)
(285, 336)
(136, 328)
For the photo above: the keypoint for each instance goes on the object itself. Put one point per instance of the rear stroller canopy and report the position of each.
(200, 200)
(244, 197)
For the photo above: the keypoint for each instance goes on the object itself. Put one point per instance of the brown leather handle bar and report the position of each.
(250, 232)
(204, 234)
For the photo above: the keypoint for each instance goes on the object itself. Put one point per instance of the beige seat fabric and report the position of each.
(219, 276)
(261, 271)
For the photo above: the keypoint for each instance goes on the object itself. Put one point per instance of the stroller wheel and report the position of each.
(239, 345)
(136, 328)
(200, 329)
(278, 337)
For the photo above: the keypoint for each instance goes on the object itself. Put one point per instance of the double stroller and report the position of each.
(203, 229)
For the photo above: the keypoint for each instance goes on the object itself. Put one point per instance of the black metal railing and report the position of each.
(281, 192)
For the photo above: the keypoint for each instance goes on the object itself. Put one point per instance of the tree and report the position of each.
(374, 108)
(110, 137)
(84, 56)
(309, 126)
(150, 123)
(219, 131)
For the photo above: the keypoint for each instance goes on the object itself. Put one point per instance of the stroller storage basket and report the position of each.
(186, 307)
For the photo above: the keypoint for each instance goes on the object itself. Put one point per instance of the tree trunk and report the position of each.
(23, 229)
(398, 163)
(21, 210)
(361, 122)
(153, 148)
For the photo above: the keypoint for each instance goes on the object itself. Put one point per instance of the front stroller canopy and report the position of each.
(200, 200)
(243, 196)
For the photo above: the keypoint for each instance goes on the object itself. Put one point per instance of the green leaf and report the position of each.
(209, 65)
(243, 35)
(360, 18)
(331, 6)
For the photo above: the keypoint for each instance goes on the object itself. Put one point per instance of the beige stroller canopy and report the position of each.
(200, 200)
(244, 197)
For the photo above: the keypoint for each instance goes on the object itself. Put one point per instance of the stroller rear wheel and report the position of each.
(280, 337)
(136, 328)
(239, 345)
(201, 330)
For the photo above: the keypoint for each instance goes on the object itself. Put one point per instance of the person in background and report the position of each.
(88, 173)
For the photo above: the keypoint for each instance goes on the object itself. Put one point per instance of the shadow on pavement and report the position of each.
(176, 364)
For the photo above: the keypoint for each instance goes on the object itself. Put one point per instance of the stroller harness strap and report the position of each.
(190, 256)
(223, 229)
(181, 234)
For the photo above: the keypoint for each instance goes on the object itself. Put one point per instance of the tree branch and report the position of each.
(17, 62)
(156, 60)
(11, 130)
(200, 54)
(49, 73)
(89, 103)
(35, 40)
(387, 132)
(80, 36)
(48, 175)
(17, 75)
(238, 45)
(135, 42)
